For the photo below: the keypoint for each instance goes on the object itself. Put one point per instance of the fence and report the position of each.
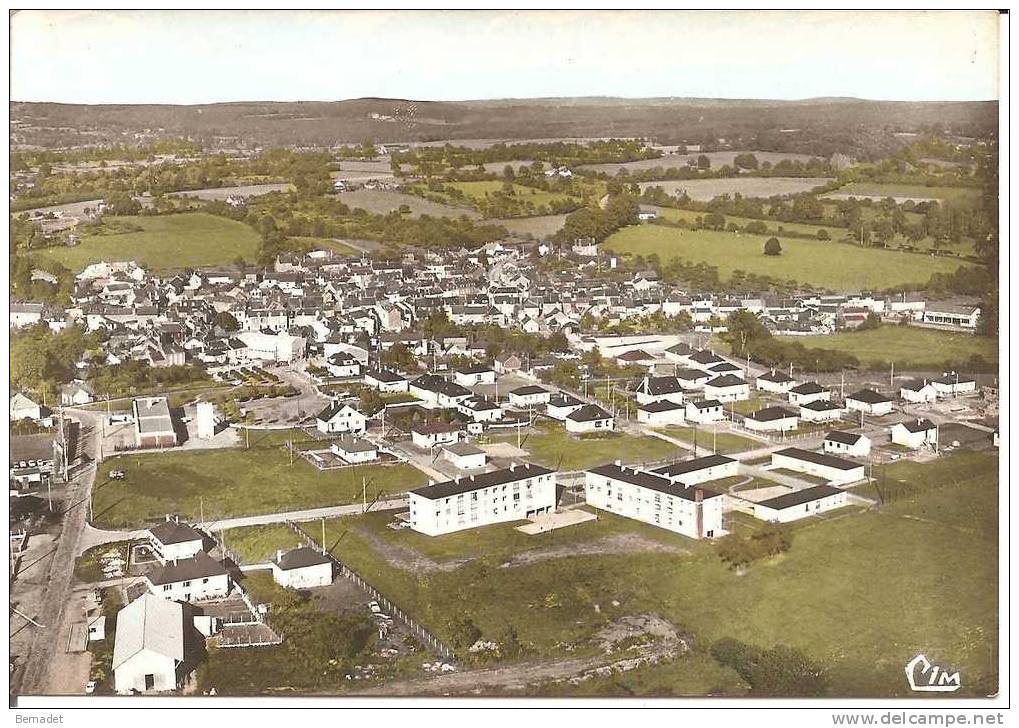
(416, 629)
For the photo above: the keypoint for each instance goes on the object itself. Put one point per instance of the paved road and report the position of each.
(46, 648)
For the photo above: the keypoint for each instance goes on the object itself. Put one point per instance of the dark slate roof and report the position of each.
(919, 425)
(354, 444)
(528, 390)
(821, 405)
(170, 532)
(705, 357)
(662, 405)
(846, 438)
(300, 558)
(776, 376)
(706, 404)
(435, 383)
(914, 385)
(645, 479)
(659, 385)
(770, 414)
(869, 396)
(690, 374)
(589, 413)
(480, 480)
(673, 470)
(954, 379)
(384, 375)
(726, 380)
(199, 567)
(563, 399)
(799, 497)
(819, 458)
(807, 388)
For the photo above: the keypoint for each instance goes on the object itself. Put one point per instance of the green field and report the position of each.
(908, 346)
(164, 243)
(860, 594)
(327, 244)
(726, 442)
(258, 544)
(540, 226)
(958, 195)
(483, 188)
(555, 448)
(235, 482)
(846, 267)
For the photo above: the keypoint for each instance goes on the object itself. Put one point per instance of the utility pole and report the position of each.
(201, 509)
(842, 387)
(891, 377)
(364, 494)
(323, 534)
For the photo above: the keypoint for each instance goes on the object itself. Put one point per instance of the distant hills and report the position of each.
(813, 126)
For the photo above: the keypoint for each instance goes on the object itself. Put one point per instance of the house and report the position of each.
(508, 363)
(386, 381)
(918, 391)
(705, 411)
(561, 405)
(354, 450)
(869, 402)
(24, 408)
(808, 392)
(477, 374)
(148, 651)
(661, 413)
(699, 470)
(339, 417)
(465, 456)
(833, 469)
(692, 378)
(480, 409)
(727, 388)
(153, 425)
(953, 384)
(771, 419)
(799, 504)
(343, 364)
(200, 577)
(96, 628)
(530, 395)
(656, 389)
(510, 494)
(25, 314)
(847, 443)
(820, 410)
(438, 393)
(173, 541)
(915, 434)
(775, 381)
(301, 568)
(430, 434)
(651, 498)
(35, 459)
(76, 394)
(589, 418)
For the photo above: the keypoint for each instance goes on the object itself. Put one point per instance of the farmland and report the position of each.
(847, 267)
(382, 202)
(162, 243)
(717, 159)
(541, 226)
(707, 189)
(221, 193)
(903, 193)
(861, 612)
(909, 347)
(233, 482)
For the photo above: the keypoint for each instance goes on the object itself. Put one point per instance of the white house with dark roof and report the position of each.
(705, 411)
(852, 444)
(386, 381)
(24, 407)
(589, 418)
(301, 568)
(915, 434)
(690, 378)
(511, 494)
(436, 392)
(869, 402)
(656, 389)
(796, 505)
(954, 384)
(189, 580)
(833, 469)
(561, 405)
(661, 413)
(172, 541)
(473, 375)
(480, 409)
(148, 650)
(339, 417)
(918, 391)
(465, 456)
(652, 498)
(807, 392)
(775, 381)
(430, 434)
(530, 395)
(699, 470)
(771, 419)
(727, 388)
(821, 410)
(355, 450)
(343, 364)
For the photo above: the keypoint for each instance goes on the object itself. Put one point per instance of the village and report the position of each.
(359, 365)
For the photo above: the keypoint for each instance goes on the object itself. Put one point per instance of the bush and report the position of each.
(780, 671)
(773, 247)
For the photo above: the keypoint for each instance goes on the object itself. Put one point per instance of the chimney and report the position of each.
(698, 495)
(619, 463)
(472, 478)
(513, 466)
(279, 554)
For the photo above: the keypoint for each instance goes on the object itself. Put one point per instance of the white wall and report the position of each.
(305, 577)
(650, 506)
(484, 506)
(131, 674)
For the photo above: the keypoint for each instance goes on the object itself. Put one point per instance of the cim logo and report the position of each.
(925, 677)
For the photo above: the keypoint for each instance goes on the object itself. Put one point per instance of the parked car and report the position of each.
(117, 475)
(374, 607)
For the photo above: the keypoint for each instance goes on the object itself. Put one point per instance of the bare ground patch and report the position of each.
(620, 543)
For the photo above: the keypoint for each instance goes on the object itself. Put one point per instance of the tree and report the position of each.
(703, 162)
(822, 234)
(873, 321)
(509, 643)
(225, 321)
(773, 247)
(465, 632)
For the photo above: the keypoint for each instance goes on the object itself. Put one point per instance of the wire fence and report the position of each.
(387, 604)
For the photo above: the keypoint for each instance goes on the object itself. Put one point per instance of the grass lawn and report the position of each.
(165, 242)
(258, 544)
(233, 482)
(908, 346)
(690, 216)
(726, 442)
(861, 595)
(553, 447)
(846, 268)
(540, 226)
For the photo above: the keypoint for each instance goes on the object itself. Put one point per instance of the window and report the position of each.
(187, 583)
(167, 587)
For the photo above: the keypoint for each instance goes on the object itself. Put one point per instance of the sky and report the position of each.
(195, 56)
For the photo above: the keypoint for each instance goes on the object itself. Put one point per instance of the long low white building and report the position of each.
(651, 498)
(798, 504)
(831, 468)
(699, 470)
(511, 494)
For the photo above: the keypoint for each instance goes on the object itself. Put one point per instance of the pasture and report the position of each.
(909, 347)
(382, 202)
(162, 243)
(538, 227)
(845, 267)
(245, 191)
(707, 189)
(904, 193)
(718, 159)
(861, 612)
